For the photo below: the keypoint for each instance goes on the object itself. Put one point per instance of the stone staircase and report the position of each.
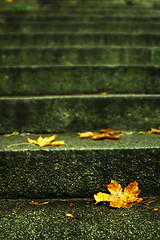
(68, 67)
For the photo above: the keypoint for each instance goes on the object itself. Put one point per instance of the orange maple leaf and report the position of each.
(119, 197)
(104, 133)
(46, 141)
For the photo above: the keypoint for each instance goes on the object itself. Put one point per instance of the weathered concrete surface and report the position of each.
(80, 27)
(94, 10)
(45, 4)
(75, 113)
(79, 39)
(76, 18)
(25, 221)
(54, 80)
(79, 56)
(80, 168)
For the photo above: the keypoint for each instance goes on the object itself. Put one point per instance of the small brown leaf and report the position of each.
(11, 134)
(71, 215)
(37, 203)
(34, 203)
(106, 130)
(155, 209)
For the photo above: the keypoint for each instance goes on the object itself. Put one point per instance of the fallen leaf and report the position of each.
(71, 215)
(119, 197)
(104, 133)
(155, 209)
(86, 134)
(11, 134)
(46, 141)
(104, 93)
(57, 143)
(37, 203)
(152, 131)
(107, 130)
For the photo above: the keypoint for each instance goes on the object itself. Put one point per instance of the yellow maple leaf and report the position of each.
(119, 197)
(86, 134)
(46, 141)
(154, 131)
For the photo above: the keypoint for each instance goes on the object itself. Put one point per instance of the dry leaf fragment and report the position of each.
(33, 202)
(11, 134)
(57, 143)
(86, 134)
(152, 131)
(37, 203)
(119, 197)
(155, 209)
(71, 215)
(46, 141)
(107, 130)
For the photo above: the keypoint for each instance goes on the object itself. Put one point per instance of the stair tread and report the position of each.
(95, 222)
(129, 140)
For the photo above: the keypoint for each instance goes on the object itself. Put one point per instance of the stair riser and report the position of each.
(74, 113)
(81, 27)
(75, 18)
(79, 56)
(44, 39)
(63, 80)
(72, 4)
(110, 12)
(56, 173)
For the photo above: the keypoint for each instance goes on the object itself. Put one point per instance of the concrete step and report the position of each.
(75, 113)
(78, 39)
(57, 80)
(80, 27)
(95, 222)
(95, 56)
(81, 168)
